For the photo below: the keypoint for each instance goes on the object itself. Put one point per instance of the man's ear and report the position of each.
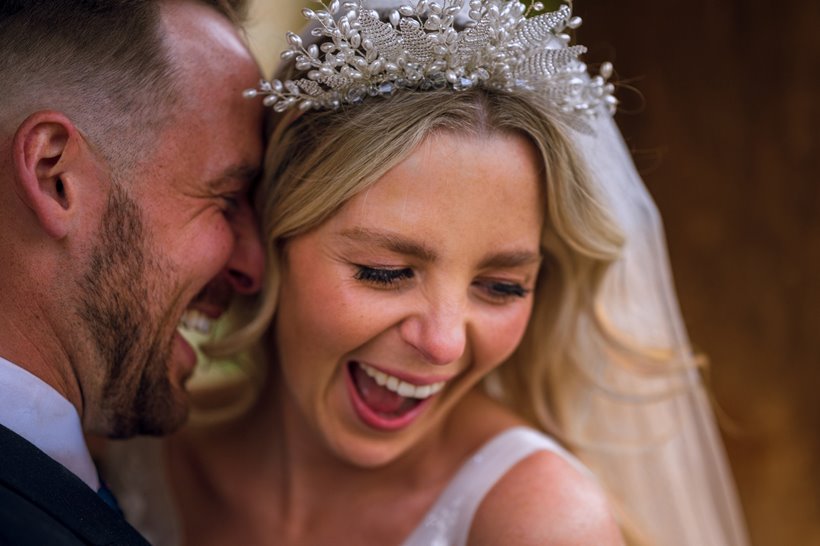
(51, 159)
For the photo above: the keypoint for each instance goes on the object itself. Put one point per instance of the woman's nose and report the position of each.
(438, 333)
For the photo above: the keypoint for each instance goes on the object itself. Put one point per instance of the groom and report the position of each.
(126, 154)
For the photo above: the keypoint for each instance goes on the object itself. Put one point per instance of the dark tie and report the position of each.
(107, 496)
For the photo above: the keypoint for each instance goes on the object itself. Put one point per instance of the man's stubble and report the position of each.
(123, 279)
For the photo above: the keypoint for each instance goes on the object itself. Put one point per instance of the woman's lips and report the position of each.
(386, 406)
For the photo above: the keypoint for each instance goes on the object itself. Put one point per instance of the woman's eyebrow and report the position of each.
(392, 242)
(401, 244)
(510, 259)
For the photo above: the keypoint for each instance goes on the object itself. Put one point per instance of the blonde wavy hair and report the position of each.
(318, 161)
(572, 357)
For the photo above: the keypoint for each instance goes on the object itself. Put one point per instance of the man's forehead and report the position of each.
(187, 24)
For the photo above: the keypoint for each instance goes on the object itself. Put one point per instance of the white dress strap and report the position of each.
(448, 521)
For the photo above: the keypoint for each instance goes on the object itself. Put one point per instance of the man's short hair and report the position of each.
(101, 62)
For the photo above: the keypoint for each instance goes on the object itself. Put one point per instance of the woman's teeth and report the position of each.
(196, 321)
(402, 388)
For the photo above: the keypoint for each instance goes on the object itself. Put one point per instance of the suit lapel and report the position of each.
(61, 494)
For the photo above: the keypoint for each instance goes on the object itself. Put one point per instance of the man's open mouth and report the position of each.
(196, 321)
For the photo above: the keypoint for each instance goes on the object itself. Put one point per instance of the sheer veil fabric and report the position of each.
(640, 416)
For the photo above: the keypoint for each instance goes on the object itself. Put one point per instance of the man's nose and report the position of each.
(246, 265)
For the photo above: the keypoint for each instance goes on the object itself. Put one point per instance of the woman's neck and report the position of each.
(273, 461)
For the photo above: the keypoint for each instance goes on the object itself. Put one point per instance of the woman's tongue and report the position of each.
(380, 399)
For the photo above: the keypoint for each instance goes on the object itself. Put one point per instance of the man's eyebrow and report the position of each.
(391, 241)
(246, 174)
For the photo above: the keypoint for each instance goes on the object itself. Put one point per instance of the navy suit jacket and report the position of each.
(43, 503)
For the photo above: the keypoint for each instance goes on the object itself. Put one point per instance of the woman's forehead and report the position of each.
(451, 187)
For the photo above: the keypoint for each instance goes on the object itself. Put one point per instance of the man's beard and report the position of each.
(133, 346)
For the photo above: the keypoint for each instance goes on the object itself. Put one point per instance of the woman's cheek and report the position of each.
(499, 337)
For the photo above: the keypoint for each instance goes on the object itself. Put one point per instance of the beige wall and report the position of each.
(268, 22)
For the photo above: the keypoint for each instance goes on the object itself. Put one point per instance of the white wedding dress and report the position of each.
(448, 521)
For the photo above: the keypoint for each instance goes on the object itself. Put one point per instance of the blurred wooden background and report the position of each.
(725, 128)
(727, 136)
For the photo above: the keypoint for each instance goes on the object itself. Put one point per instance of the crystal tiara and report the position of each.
(503, 45)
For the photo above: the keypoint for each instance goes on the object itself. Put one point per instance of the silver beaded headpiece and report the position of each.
(503, 45)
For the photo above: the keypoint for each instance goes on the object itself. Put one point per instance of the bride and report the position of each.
(468, 332)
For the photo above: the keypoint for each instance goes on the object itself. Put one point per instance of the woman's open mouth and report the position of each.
(384, 401)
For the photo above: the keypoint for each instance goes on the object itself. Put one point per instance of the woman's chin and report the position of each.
(366, 454)
(353, 440)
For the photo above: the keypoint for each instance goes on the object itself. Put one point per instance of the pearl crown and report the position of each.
(503, 46)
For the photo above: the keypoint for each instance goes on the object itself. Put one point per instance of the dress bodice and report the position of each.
(448, 521)
(143, 493)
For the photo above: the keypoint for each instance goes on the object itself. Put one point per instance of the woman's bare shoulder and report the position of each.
(545, 500)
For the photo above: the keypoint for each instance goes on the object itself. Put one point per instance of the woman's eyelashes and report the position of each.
(383, 276)
(502, 291)
(392, 277)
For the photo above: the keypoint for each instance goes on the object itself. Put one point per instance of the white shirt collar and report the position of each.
(34, 410)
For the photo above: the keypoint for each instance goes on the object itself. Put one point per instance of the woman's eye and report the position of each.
(383, 276)
(503, 291)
